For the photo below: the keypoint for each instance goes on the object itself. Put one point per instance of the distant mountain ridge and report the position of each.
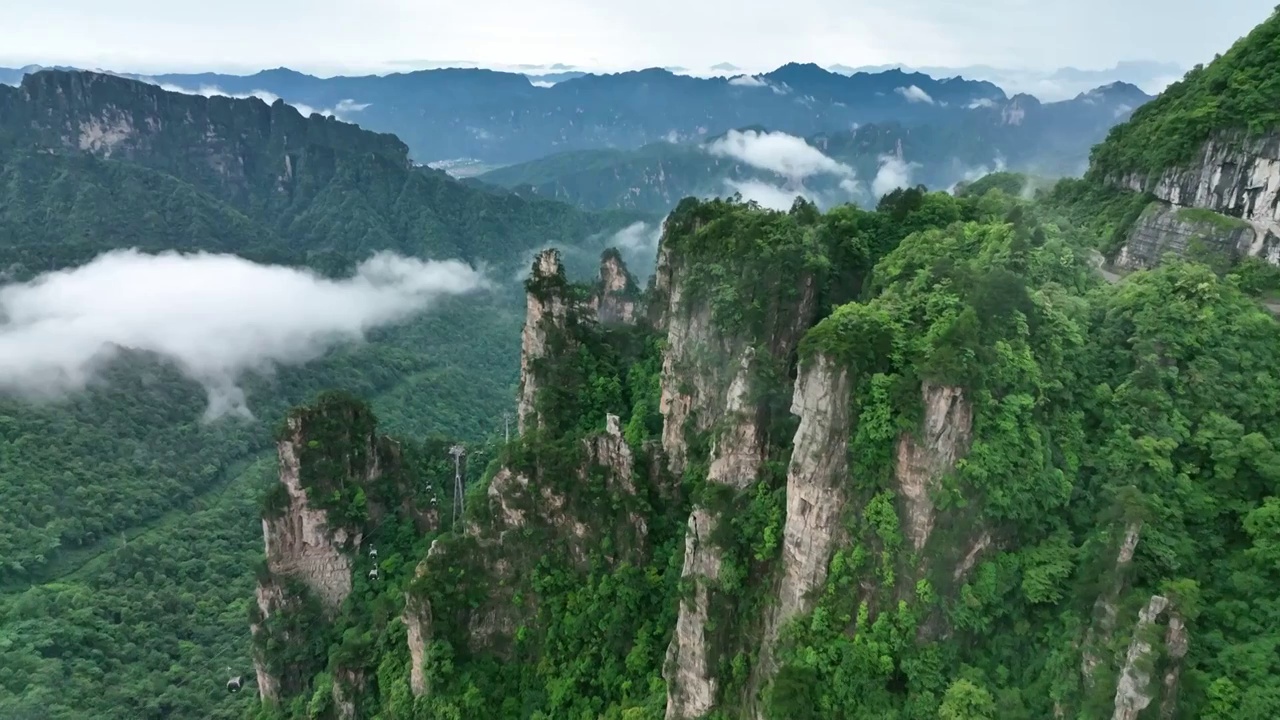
(1021, 133)
(504, 117)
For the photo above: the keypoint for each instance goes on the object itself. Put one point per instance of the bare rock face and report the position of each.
(709, 383)
(691, 686)
(417, 622)
(816, 476)
(271, 599)
(615, 298)
(545, 307)
(1133, 693)
(1175, 646)
(683, 389)
(300, 543)
(1166, 228)
(945, 438)
(1235, 175)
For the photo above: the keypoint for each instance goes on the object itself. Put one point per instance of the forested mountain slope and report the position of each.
(1197, 171)
(845, 466)
(1020, 134)
(128, 536)
(916, 462)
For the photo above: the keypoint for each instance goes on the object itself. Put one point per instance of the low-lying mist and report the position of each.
(216, 317)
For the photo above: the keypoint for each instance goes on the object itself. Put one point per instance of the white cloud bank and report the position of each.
(638, 237)
(778, 152)
(344, 107)
(785, 155)
(914, 94)
(894, 173)
(216, 317)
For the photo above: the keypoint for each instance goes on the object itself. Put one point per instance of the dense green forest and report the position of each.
(129, 523)
(1099, 411)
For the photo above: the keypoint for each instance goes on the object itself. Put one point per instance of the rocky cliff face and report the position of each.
(1164, 228)
(616, 297)
(1236, 176)
(817, 481)
(338, 479)
(117, 117)
(922, 461)
(417, 623)
(1134, 690)
(545, 305)
(300, 543)
(712, 383)
(535, 506)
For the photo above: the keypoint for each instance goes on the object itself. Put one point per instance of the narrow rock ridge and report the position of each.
(417, 622)
(1104, 609)
(1175, 646)
(946, 434)
(271, 599)
(1166, 228)
(546, 304)
(1133, 690)
(816, 478)
(1235, 175)
(615, 299)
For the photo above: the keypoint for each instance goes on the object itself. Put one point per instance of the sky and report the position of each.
(362, 36)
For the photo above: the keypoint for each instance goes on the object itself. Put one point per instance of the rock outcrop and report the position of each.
(309, 556)
(417, 623)
(299, 542)
(711, 383)
(1235, 175)
(922, 461)
(347, 685)
(1104, 608)
(817, 478)
(616, 297)
(1164, 228)
(1133, 689)
(534, 507)
(546, 304)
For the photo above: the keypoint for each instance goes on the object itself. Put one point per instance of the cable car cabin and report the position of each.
(234, 684)
(373, 574)
(373, 553)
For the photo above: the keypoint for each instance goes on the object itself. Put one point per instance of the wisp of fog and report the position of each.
(215, 316)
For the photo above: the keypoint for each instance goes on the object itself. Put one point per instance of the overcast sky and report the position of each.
(328, 36)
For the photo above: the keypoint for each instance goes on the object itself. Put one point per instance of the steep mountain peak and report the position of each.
(798, 73)
(1118, 91)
